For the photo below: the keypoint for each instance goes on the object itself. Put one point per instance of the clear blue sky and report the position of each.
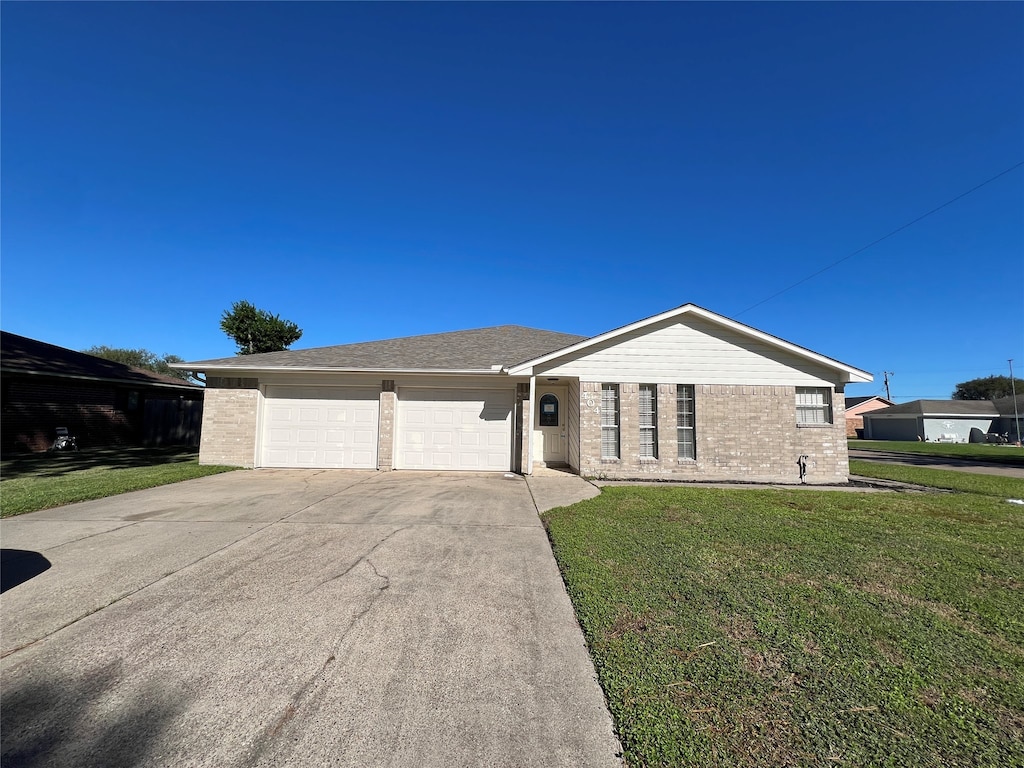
(380, 170)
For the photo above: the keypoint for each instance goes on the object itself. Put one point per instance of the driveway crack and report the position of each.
(364, 558)
(325, 498)
(307, 695)
(265, 740)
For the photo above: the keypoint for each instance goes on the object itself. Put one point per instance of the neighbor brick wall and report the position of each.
(229, 426)
(34, 407)
(744, 433)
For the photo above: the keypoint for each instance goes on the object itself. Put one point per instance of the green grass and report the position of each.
(966, 482)
(995, 454)
(31, 483)
(794, 628)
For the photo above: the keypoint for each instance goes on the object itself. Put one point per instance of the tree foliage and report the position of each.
(987, 388)
(256, 330)
(141, 358)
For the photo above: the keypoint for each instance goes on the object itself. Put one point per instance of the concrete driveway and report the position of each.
(938, 462)
(296, 618)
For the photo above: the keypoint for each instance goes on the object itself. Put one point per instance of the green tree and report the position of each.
(256, 330)
(141, 358)
(988, 388)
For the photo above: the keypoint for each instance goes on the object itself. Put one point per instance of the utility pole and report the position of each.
(886, 375)
(1013, 388)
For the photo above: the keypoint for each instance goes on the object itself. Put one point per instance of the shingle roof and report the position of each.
(941, 407)
(475, 350)
(20, 354)
(1005, 405)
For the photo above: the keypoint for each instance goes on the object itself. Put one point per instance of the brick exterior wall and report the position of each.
(229, 425)
(386, 430)
(745, 433)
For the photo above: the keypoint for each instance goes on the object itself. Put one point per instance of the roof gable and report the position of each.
(479, 350)
(858, 405)
(681, 327)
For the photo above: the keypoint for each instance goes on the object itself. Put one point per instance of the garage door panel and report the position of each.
(364, 438)
(442, 439)
(461, 429)
(328, 427)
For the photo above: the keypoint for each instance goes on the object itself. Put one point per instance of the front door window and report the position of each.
(549, 411)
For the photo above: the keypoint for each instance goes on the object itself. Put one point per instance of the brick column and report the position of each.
(590, 429)
(229, 426)
(386, 427)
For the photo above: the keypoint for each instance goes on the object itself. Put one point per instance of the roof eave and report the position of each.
(341, 369)
(104, 379)
(929, 415)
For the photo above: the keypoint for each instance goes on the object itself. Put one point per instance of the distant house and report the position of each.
(100, 402)
(947, 421)
(856, 407)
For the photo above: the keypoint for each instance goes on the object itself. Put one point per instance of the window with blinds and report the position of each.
(813, 405)
(648, 418)
(685, 415)
(609, 421)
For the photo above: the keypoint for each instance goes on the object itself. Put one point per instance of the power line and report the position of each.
(884, 237)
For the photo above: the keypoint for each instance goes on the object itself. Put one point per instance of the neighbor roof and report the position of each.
(22, 355)
(478, 350)
(1005, 405)
(939, 408)
(852, 402)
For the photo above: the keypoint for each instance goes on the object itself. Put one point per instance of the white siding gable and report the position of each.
(690, 350)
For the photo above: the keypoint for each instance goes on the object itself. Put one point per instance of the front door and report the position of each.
(550, 422)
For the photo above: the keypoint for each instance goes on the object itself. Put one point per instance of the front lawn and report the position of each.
(793, 628)
(995, 454)
(33, 482)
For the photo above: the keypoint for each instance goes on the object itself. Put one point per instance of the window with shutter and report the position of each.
(813, 405)
(648, 417)
(685, 421)
(609, 421)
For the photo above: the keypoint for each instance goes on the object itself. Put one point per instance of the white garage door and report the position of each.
(463, 429)
(324, 427)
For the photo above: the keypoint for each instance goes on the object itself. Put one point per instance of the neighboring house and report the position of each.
(100, 402)
(1011, 417)
(856, 407)
(946, 421)
(686, 394)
